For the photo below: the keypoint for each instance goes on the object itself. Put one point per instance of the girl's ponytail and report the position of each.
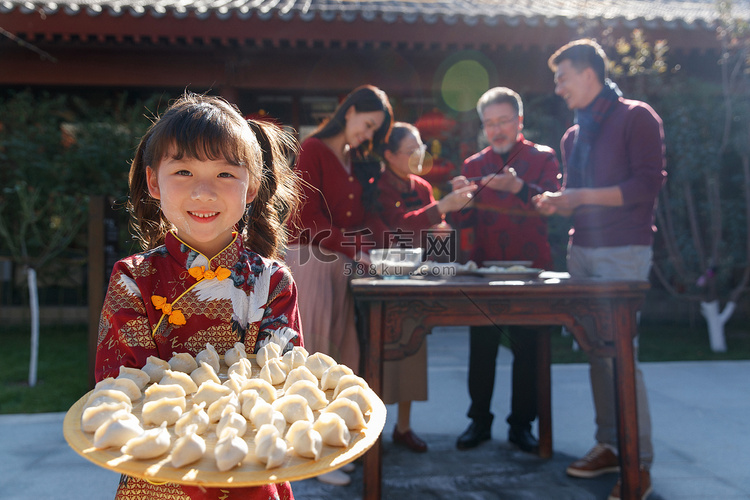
(264, 227)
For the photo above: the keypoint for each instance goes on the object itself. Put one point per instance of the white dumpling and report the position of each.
(309, 390)
(124, 385)
(137, 375)
(332, 376)
(264, 414)
(235, 383)
(276, 454)
(270, 448)
(162, 410)
(248, 398)
(318, 363)
(274, 372)
(94, 416)
(108, 396)
(188, 449)
(263, 437)
(360, 396)
(235, 353)
(216, 408)
(155, 367)
(182, 362)
(305, 440)
(294, 358)
(210, 391)
(348, 381)
(297, 374)
(231, 419)
(230, 450)
(301, 350)
(151, 444)
(294, 407)
(264, 388)
(349, 411)
(203, 373)
(332, 429)
(117, 430)
(268, 351)
(210, 357)
(243, 367)
(158, 391)
(195, 418)
(179, 378)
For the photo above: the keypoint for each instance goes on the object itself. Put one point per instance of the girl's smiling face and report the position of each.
(203, 199)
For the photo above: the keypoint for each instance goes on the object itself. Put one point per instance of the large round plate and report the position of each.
(204, 472)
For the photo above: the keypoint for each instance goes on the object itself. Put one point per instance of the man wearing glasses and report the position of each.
(506, 227)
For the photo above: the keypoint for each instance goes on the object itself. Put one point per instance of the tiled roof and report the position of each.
(650, 13)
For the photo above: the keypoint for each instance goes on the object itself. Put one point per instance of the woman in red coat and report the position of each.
(408, 209)
(338, 223)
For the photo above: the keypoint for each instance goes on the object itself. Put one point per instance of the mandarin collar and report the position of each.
(402, 185)
(188, 257)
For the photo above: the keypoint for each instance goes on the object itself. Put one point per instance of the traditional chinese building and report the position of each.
(295, 58)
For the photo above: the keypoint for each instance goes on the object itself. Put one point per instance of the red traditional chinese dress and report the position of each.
(173, 299)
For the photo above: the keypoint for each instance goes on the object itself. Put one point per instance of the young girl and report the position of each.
(209, 195)
(409, 207)
(338, 222)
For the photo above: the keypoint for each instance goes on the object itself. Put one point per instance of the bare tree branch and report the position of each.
(26, 45)
(694, 225)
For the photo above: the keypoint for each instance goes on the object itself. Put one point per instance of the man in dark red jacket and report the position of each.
(614, 169)
(505, 226)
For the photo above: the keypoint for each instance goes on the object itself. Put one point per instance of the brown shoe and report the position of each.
(410, 440)
(645, 485)
(599, 460)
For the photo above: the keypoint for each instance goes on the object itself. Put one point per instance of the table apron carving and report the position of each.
(407, 322)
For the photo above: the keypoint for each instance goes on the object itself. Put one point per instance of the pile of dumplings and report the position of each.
(297, 403)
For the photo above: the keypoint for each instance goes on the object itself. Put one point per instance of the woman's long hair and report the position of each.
(366, 163)
(209, 128)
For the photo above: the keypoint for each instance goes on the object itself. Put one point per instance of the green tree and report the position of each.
(702, 247)
(56, 150)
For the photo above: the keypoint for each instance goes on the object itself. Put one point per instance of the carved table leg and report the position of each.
(544, 392)
(627, 413)
(373, 372)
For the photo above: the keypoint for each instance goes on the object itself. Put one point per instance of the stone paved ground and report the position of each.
(493, 471)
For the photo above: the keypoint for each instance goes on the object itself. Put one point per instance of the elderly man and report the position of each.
(505, 226)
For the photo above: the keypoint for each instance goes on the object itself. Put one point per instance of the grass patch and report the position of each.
(668, 342)
(63, 360)
(61, 374)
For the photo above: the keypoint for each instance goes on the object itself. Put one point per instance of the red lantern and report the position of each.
(435, 125)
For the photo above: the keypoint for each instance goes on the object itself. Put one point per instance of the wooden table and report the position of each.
(601, 315)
